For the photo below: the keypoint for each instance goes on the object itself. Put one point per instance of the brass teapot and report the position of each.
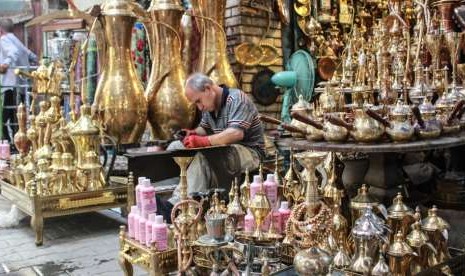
(332, 131)
(427, 126)
(399, 127)
(366, 127)
(119, 101)
(303, 109)
(314, 126)
(447, 114)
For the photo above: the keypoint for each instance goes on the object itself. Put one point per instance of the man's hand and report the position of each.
(3, 68)
(196, 141)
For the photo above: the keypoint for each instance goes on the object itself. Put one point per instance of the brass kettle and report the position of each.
(213, 59)
(427, 126)
(168, 108)
(399, 127)
(447, 114)
(301, 108)
(119, 102)
(314, 126)
(334, 127)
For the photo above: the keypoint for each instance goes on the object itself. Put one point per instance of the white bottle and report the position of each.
(160, 234)
(140, 179)
(142, 222)
(147, 198)
(131, 220)
(148, 229)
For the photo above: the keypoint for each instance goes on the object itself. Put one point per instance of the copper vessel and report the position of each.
(213, 59)
(119, 102)
(168, 108)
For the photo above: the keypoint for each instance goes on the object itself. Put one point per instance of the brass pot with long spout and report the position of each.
(213, 59)
(119, 102)
(168, 108)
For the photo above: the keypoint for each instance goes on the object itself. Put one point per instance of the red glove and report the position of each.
(196, 141)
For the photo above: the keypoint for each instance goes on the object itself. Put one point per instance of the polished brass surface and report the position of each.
(119, 103)
(245, 190)
(303, 108)
(168, 108)
(437, 230)
(260, 208)
(293, 190)
(21, 140)
(400, 256)
(312, 261)
(400, 216)
(332, 131)
(400, 128)
(213, 59)
(361, 201)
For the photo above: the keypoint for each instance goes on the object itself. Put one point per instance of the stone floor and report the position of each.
(85, 244)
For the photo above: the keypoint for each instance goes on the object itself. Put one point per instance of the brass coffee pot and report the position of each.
(400, 216)
(437, 230)
(301, 108)
(119, 102)
(366, 127)
(361, 201)
(168, 108)
(427, 126)
(400, 256)
(399, 127)
(213, 58)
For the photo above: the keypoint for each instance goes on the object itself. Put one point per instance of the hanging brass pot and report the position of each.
(168, 108)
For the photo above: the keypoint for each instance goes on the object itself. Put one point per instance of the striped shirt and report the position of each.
(237, 111)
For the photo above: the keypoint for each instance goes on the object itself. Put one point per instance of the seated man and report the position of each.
(229, 117)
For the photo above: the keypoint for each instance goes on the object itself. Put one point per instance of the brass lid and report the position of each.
(417, 238)
(427, 107)
(159, 5)
(399, 248)
(363, 199)
(234, 207)
(301, 105)
(398, 209)
(85, 125)
(433, 222)
(400, 109)
(120, 8)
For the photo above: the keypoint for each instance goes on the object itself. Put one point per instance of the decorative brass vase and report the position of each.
(260, 207)
(21, 140)
(168, 108)
(119, 102)
(213, 59)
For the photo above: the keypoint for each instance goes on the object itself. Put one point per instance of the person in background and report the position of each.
(229, 117)
(13, 54)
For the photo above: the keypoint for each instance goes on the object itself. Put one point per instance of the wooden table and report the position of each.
(115, 195)
(384, 169)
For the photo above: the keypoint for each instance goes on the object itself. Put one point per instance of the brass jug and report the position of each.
(119, 102)
(213, 59)
(21, 141)
(168, 108)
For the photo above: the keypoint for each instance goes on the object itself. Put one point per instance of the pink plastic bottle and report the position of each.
(147, 196)
(131, 220)
(140, 179)
(7, 149)
(142, 222)
(271, 190)
(249, 222)
(285, 213)
(255, 186)
(149, 228)
(160, 234)
(136, 224)
(277, 224)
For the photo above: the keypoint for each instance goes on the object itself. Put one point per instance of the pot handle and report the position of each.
(294, 129)
(268, 119)
(378, 118)
(307, 120)
(457, 108)
(417, 114)
(114, 147)
(338, 122)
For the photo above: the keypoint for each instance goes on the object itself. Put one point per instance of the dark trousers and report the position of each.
(9, 114)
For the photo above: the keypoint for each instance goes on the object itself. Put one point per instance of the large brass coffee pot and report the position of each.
(168, 108)
(213, 59)
(119, 103)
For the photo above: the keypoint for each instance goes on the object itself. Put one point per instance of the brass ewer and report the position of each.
(119, 102)
(213, 59)
(437, 231)
(400, 216)
(168, 108)
(400, 256)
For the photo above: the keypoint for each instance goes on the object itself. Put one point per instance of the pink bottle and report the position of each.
(249, 222)
(136, 224)
(277, 224)
(285, 213)
(147, 196)
(148, 229)
(5, 150)
(271, 190)
(140, 179)
(255, 186)
(131, 220)
(142, 222)
(160, 234)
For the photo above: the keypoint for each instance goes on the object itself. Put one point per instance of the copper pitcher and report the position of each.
(119, 102)
(213, 59)
(168, 108)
